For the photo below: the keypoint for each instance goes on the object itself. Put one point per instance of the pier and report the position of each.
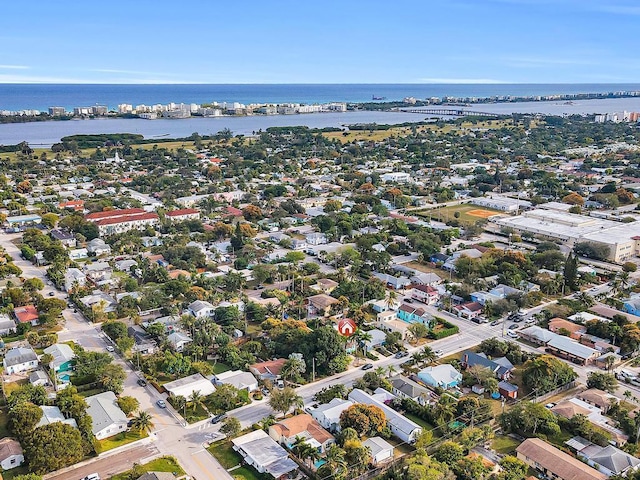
(457, 112)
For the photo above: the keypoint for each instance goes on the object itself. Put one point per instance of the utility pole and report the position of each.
(313, 368)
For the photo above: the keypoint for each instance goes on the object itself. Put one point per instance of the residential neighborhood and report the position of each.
(304, 303)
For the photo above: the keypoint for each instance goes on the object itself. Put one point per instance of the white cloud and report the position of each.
(13, 67)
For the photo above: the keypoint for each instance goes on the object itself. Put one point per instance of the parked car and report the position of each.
(512, 334)
(494, 323)
(280, 384)
(401, 354)
(51, 294)
(265, 391)
(513, 326)
(161, 403)
(142, 382)
(218, 418)
(408, 300)
(550, 405)
(91, 476)
(110, 348)
(438, 353)
(367, 366)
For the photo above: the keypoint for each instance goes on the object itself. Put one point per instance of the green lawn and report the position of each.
(4, 431)
(220, 367)
(191, 415)
(14, 472)
(225, 454)
(249, 473)
(446, 214)
(162, 464)
(119, 440)
(426, 425)
(504, 444)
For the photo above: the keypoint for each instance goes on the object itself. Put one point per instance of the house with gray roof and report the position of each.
(20, 359)
(404, 387)
(264, 454)
(7, 325)
(201, 308)
(381, 450)
(608, 460)
(328, 414)
(107, 419)
(51, 414)
(501, 367)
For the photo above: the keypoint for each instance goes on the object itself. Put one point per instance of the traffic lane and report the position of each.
(111, 464)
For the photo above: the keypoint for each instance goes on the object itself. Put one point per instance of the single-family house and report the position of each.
(39, 377)
(567, 328)
(381, 450)
(11, 455)
(328, 414)
(316, 238)
(443, 376)
(100, 300)
(78, 253)
(52, 414)
(7, 325)
(320, 305)
(608, 459)
(98, 247)
(325, 285)
(187, 385)
(107, 419)
(554, 463)
(501, 367)
(239, 379)
(469, 310)
(126, 265)
(388, 321)
(396, 283)
(19, 359)
(98, 272)
(425, 294)
(404, 387)
(597, 398)
(27, 314)
(536, 334)
(422, 278)
(632, 305)
(264, 454)
(68, 239)
(403, 428)
(302, 426)
(63, 356)
(413, 314)
(178, 340)
(269, 370)
(157, 476)
(201, 309)
(74, 278)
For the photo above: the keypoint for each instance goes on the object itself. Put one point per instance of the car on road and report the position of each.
(401, 354)
(161, 403)
(550, 405)
(142, 382)
(494, 323)
(512, 334)
(367, 366)
(52, 294)
(91, 476)
(438, 353)
(408, 300)
(110, 348)
(259, 287)
(218, 418)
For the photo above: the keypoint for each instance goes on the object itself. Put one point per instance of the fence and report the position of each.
(564, 388)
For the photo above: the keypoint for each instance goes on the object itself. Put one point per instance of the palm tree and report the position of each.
(336, 462)
(379, 371)
(624, 279)
(180, 403)
(444, 410)
(301, 449)
(391, 299)
(142, 422)
(627, 395)
(585, 299)
(361, 337)
(391, 370)
(428, 355)
(195, 399)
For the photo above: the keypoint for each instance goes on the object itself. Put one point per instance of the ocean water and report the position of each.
(42, 96)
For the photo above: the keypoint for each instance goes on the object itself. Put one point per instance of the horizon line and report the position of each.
(331, 83)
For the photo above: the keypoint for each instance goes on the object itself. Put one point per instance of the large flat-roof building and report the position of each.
(622, 239)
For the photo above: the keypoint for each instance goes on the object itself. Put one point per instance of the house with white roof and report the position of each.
(51, 414)
(264, 454)
(443, 376)
(328, 414)
(107, 419)
(186, 386)
(403, 428)
(74, 278)
(381, 450)
(179, 340)
(239, 379)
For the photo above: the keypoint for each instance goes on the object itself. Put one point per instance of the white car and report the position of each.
(91, 476)
(512, 334)
(438, 353)
(110, 348)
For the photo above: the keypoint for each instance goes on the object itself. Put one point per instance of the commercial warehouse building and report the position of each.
(622, 239)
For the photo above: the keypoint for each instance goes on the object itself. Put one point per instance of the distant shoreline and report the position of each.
(376, 104)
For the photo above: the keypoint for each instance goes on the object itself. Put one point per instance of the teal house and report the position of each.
(63, 356)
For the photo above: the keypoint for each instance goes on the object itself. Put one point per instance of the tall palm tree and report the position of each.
(180, 403)
(428, 355)
(196, 399)
(391, 370)
(361, 337)
(627, 395)
(380, 371)
(336, 462)
(392, 298)
(142, 422)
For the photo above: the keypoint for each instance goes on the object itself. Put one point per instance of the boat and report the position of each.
(373, 97)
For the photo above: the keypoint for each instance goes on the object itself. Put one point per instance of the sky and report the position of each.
(320, 41)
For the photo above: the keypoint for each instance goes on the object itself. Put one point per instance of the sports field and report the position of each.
(468, 213)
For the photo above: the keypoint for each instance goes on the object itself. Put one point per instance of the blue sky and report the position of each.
(320, 41)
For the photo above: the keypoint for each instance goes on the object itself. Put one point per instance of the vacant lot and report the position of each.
(466, 213)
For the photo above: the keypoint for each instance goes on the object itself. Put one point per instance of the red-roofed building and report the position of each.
(183, 214)
(425, 294)
(75, 205)
(233, 211)
(269, 370)
(94, 217)
(468, 310)
(27, 314)
(119, 221)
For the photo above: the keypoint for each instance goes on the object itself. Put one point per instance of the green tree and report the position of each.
(53, 446)
(529, 419)
(28, 476)
(602, 381)
(284, 400)
(512, 468)
(471, 469)
(142, 422)
(545, 373)
(23, 418)
(231, 427)
(128, 404)
(364, 419)
(448, 452)
(113, 377)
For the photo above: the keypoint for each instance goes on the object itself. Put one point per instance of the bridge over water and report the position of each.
(457, 112)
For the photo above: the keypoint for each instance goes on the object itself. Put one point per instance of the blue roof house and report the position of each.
(443, 376)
